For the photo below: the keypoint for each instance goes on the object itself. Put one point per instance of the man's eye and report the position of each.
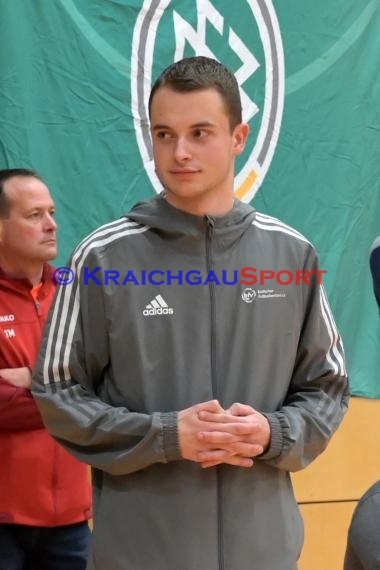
(200, 133)
(163, 135)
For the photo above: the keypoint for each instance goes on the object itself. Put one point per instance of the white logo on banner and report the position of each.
(252, 173)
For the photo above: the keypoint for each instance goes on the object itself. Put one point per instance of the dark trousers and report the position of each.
(25, 547)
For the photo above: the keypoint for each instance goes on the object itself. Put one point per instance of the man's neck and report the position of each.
(32, 271)
(199, 207)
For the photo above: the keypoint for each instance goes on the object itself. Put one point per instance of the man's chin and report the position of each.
(186, 191)
(50, 253)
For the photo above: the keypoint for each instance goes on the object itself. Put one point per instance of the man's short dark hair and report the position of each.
(7, 174)
(199, 73)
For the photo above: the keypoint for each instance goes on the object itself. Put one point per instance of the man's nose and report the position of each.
(50, 223)
(182, 149)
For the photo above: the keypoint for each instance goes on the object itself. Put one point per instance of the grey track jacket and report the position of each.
(128, 345)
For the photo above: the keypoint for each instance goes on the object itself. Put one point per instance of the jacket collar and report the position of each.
(23, 284)
(171, 222)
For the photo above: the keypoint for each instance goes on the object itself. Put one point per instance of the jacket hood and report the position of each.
(158, 214)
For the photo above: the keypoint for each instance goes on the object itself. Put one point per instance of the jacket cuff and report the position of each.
(170, 436)
(276, 440)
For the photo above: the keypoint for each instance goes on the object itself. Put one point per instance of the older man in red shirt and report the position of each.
(45, 496)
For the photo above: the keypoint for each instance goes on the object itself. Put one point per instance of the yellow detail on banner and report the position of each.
(247, 184)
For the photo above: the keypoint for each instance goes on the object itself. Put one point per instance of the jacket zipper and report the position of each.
(214, 380)
(211, 285)
(37, 304)
(55, 482)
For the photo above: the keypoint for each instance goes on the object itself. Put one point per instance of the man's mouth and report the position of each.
(179, 171)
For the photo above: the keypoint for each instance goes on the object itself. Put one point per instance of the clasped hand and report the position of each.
(210, 435)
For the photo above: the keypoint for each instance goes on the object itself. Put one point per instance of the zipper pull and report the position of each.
(210, 225)
(38, 307)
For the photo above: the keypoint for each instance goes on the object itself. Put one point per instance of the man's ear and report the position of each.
(2, 229)
(240, 135)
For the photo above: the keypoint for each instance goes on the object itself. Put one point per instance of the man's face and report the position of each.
(28, 233)
(193, 146)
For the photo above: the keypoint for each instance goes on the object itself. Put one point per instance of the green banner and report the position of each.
(75, 77)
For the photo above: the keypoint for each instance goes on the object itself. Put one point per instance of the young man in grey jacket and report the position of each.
(189, 386)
